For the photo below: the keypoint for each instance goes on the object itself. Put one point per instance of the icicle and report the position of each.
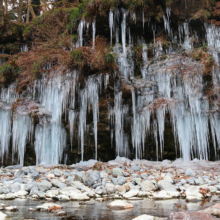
(24, 48)
(119, 113)
(187, 41)
(72, 119)
(93, 32)
(22, 131)
(143, 19)
(133, 16)
(123, 33)
(167, 21)
(89, 96)
(106, 80)
(111, 24)
(80, 33)
(5, 132)
(50, 140)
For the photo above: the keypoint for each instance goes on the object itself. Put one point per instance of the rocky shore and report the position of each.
(120, 181)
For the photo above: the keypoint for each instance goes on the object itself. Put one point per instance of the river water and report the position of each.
(96, 211)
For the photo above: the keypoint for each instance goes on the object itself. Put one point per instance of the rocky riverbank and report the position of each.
(120, 180)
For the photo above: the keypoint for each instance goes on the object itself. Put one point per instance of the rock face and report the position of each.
(120, 204)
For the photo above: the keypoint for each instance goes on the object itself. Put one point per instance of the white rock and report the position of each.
(148, 217)
(2, 216)
(168, 178)
(147, 185)
(69, 190)
(51, 193)
(131, 193)
(63, 198)
(120, 204)
(162, 195)
(78, 196)
(22, 193)
(11, 208)
(47, 206)
(193, 194)
(213, 189)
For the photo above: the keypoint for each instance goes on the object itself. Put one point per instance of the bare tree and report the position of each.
(20, 8)
(30, 10)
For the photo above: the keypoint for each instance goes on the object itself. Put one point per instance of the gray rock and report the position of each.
(19, 173)
(41, 194)
(28, 186)
(79, 176)
(115, 181)
(135, 168)
(117, 172)
(44, 185)
(121, 180)
(104, 181)
(92, 178)
(57, 183)
(36, 176)
(144, 176)
(100, 190)
(199, 181)
(34, 190)
(57, 172)
(126, 174)
(96, 185)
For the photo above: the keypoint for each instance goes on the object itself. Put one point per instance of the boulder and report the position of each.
(57, 183)
(166, 185)
(147, 186)
(121, 180)
(193, 193)
(110, 188)
(117, 172)
(44, 185)
(121, 189)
